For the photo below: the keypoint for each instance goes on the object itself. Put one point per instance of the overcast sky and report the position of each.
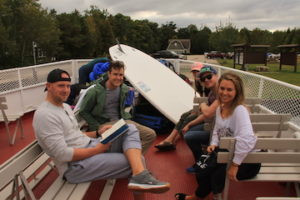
(264, 14)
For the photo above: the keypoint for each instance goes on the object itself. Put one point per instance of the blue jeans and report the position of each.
(195, 138)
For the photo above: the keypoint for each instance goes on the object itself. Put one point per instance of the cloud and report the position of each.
(267, 14)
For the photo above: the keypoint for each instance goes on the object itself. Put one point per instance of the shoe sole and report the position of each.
(158, 189)
(165, 148)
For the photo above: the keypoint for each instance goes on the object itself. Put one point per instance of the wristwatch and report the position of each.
(97, 133)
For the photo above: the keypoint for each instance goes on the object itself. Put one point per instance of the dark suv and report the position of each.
(215, 54)
(167, 54)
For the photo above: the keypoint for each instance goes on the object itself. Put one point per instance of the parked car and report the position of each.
(167, 54)
(229, 55)
(215, 54)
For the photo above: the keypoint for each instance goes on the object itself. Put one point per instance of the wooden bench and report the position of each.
(264, 125)
(270, 125)
(280, 164)
(20, 174)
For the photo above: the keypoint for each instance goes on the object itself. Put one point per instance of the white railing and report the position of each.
(277, 96)
(24, 87)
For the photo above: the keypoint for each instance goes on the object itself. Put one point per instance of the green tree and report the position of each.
(183, 33)
(100, 31)
(200, 41)
(122, 27)
(296, 39)
(74, 36)
(167, 31)
(144, 36)
(259, 36)
(278, 38)
(223, 38)
(244, 36)
(24, 21)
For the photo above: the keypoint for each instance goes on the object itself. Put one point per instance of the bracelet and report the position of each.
(97, 133)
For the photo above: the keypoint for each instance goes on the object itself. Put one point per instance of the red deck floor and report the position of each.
(167, 166)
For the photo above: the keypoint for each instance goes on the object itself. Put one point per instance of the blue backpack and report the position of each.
(98, 69)
(129, 98)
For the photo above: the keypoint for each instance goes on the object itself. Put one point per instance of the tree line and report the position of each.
(30, 34)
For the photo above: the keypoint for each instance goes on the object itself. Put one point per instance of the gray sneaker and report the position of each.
(145, 182)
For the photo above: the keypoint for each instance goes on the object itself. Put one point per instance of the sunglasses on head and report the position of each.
(208, 77)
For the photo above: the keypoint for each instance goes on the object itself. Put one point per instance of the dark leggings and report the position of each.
(215, 180)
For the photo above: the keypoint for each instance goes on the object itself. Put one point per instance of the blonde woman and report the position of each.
(232, 120)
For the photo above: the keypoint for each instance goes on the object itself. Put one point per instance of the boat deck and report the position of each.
(168, 166)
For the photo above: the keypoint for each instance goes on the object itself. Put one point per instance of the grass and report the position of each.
(286, 74)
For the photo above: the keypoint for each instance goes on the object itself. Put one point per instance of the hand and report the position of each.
(201, 105)
(233, 169)
(211, 148)
(185, 129)
(103, 147)
(104, 128)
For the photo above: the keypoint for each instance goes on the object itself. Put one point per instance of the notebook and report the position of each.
(115, 131)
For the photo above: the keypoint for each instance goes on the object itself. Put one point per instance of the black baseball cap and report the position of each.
(55, 75)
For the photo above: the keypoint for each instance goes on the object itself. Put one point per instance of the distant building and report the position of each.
(181, 46)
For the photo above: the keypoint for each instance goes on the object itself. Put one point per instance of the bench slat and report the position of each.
(280, 164)
(268, 134)
(259, 157)
(80, 191)
(53, 189)
(65, 191)
(108, 188)
(268, 143)
(270, 117)
(279, 170)
(268, 126)
(276, 177)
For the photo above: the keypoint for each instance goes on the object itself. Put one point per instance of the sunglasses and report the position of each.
(208, 77)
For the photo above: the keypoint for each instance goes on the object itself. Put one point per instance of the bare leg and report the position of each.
(134, 157)
(177, 137)
(171, 137)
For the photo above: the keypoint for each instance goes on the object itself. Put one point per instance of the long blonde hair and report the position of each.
(239, 88)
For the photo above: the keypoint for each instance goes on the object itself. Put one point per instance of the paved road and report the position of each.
(201, 58)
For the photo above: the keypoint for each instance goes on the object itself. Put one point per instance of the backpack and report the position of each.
(98, 69)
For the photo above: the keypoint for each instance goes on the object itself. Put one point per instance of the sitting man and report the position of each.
(170, 142)
(81, 157)
(194, 134)
(105, 104)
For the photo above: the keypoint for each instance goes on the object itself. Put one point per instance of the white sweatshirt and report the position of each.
(58, 133)
(239, 126)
